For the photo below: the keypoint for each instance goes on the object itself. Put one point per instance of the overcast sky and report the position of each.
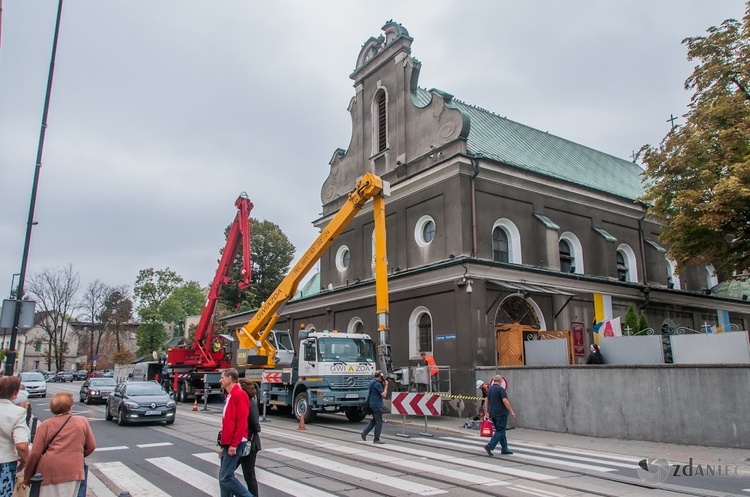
(164, 111)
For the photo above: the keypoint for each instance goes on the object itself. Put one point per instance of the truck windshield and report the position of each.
(345, 350)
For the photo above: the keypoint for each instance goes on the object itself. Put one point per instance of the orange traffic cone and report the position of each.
(302, 422)
(195, 404)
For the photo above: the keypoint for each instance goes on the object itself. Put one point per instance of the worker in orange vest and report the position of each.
(429, 361)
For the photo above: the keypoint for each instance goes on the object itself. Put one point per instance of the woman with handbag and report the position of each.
(14, 435)
(60, 445)
(247, 461)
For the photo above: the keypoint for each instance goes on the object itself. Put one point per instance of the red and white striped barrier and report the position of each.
(271, 377)
(416, 404)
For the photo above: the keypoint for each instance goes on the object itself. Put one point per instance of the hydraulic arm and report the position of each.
(254, 335)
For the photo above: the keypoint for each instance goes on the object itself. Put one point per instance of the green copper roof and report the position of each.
(521, 146)
(312, 287)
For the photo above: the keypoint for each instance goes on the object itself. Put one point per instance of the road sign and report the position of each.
(416, 404)
(96, 358)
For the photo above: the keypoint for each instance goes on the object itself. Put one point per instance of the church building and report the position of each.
(497, 233)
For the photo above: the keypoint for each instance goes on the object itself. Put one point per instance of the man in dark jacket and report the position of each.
(498, 407)
(233, 435)
(377, 391)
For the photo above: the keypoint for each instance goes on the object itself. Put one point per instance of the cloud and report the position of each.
(163, 112)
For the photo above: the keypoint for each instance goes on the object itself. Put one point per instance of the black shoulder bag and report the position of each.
(366, 406)
(55, 435)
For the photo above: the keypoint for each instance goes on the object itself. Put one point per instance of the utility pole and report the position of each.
(11, 357)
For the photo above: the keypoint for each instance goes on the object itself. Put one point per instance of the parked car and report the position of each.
(35, 383)
(63, 376)
(108, 374)
(138, 402)
(48, 375)
(96, 390)
(81, 374)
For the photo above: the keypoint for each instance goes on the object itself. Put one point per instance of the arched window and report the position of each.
(500, 252)
(571, 253)
(356, 326)
(380, 121)
(506, 242)
(567, 257)
(673, 279)
(622, 266)
(420, 332)
(626, 265)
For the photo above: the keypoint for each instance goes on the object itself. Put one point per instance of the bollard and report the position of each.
(36, 483)
(205, 399)
(265, 404)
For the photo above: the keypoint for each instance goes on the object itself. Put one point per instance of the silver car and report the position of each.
(35, 383)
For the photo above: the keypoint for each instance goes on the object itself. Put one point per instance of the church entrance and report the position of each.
(515, 322)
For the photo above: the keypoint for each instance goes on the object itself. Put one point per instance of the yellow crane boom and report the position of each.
(253, 336)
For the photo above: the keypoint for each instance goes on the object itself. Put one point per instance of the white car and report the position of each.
(35, 383)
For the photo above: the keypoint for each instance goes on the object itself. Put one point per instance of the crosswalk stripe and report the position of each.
(520, 443)
(524, 450)
(414, 465)
(157, 444)
(127, 479)
(535, 491)
(362, 474)
(193, 477)
(271, 480)
(107, 449)
(590, 467)
(520, 473)
(98, 487)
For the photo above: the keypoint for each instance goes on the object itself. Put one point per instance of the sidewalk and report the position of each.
(633, 448)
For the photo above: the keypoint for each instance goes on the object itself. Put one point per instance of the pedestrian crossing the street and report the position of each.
(577, 459)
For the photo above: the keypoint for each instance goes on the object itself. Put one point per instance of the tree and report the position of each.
(631, 321)
(152, 288)
(271, 252)
(93, 306)
(642, 324)
(118, 310)
(186, 300)
(698, 178)
(54, 290)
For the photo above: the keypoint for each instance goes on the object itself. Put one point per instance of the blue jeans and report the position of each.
(500, 423)
(376, 422)
(229, 485)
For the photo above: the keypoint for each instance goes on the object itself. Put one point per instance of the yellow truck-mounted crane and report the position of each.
(333, 369)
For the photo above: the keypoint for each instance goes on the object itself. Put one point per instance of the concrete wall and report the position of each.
(697, 404)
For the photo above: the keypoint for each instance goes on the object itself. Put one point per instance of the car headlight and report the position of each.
(131, 405)
(171, 403)
(93, 392)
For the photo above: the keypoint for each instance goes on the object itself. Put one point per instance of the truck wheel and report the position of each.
(301, 405)
(355, 414)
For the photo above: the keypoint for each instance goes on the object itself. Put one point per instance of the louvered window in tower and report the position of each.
(382, 135)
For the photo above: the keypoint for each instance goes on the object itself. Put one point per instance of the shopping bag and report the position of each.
(486, 429)
(20, 490)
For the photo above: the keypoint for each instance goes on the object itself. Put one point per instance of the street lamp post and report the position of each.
(11, 357)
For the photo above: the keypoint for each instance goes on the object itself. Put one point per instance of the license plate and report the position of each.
(352, 396)
(153, 413)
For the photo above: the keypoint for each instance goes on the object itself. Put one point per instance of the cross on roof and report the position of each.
(672, 119)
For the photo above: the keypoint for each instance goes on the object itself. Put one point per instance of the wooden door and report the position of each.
(510, 345)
